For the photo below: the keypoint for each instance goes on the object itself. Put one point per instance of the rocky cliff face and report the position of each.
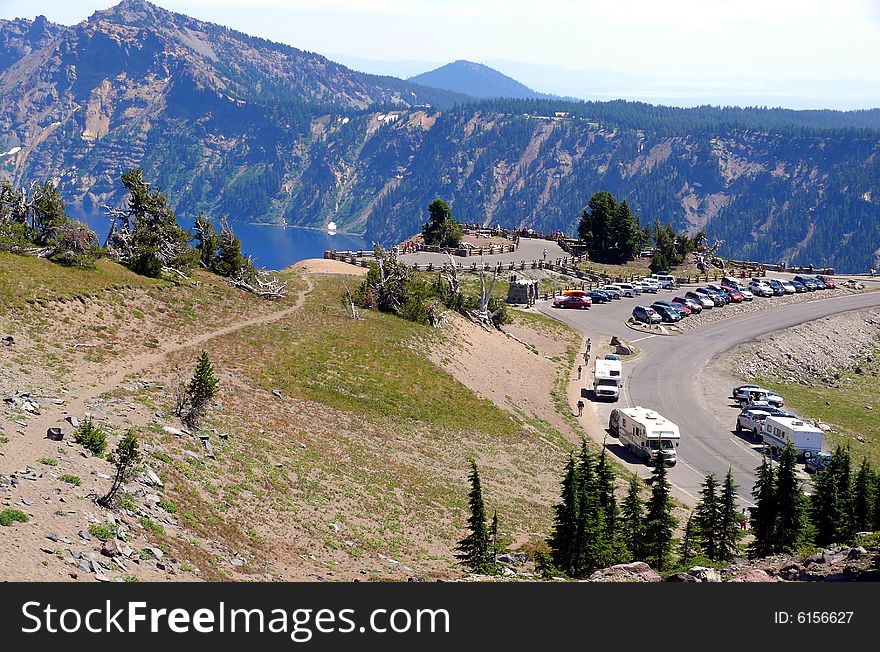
(237, 125)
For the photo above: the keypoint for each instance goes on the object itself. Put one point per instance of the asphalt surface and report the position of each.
(529, 249)
(668, 377)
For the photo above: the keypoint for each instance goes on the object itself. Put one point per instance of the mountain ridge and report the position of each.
(476, 80)
(239, 126)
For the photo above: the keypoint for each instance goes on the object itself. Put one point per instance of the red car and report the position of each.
(827, 280)
(733, 293)
(573, 302)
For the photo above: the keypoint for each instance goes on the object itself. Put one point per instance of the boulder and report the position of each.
(704, 574)
(171, 430)
(753, 575)
(637, 571)
(857, 553)
(681, 577)
(514, 558)
(111, 548)
(55, 434)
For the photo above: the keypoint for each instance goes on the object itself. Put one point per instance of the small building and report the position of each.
(523, 291)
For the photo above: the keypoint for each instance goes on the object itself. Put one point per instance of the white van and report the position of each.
(665, 280)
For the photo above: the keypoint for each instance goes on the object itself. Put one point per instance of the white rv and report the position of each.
(607, 377)
(777, 431)
(643, 432)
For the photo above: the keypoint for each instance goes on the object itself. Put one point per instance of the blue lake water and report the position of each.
(272, 247)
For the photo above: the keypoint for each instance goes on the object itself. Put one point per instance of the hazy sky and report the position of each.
(778, 52)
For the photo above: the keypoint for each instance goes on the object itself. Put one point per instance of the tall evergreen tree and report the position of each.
(841, 463)
(764, 513)
(591, 546)
(729, 524)
(824, 507)
(229, 260)
(562, 539)
(791, 521)
(690, 547)
(863, 498)
(474, 550)
(496, 542)
(207, 241)
(626, 233)
(633, 516)
(708, 515)
(659, 523)
(596, 226)
(875, 517)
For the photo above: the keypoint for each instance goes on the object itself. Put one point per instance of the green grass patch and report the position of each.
(25, 278)
(9, 516)
(48, 461)
(151, 526)
(376, 365)
(71, 479)
(168, 506)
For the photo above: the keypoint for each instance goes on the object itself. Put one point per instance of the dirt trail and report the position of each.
(22, 449)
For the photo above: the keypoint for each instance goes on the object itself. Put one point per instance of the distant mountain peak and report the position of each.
(474, 79)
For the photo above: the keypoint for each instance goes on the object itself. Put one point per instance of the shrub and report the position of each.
(102, 531)
(168, 506)
(90, 436)
(76, 245)
(71, 479)
(8, 516)
(151, 526)
(49, 461)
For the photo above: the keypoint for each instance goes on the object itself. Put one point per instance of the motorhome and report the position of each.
(806, 438)
(643, 432)
(607, 377)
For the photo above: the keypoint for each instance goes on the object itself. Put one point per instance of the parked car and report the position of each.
(769, 409)
(827, 280)
(745, 294)
(758, 396)
(695, 306)
(734, 295)
(799, 287)
(611, 291)
(627, 289)
(646, 315)
(760, 289)
(818, 462)
(788, 287)
(647, 287)
(598, 296)
(680, 307)
(665, 280)
(733, 282)
(751, 421)
(714, 297)
(820, 283)
(667, 313)
(776, 286)
(702, 299)
(581, 303)
(811, 284)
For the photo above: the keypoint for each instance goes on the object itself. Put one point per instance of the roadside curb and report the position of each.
(644, 328)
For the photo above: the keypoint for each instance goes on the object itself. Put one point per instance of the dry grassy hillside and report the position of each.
(337, 449)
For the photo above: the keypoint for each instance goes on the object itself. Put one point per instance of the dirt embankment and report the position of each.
(814, 352)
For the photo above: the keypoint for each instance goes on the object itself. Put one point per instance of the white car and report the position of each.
(747, 295)
(647, 287)
(626, 289)
(787, 286)
(760, 289)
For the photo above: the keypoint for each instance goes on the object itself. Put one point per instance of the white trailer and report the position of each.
(607, 377)
(643, 432)
(778, 431)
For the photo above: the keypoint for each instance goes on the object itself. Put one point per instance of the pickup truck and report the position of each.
(751, 421)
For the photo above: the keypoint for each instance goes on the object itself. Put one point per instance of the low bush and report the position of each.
(9, 516)
(90, 436)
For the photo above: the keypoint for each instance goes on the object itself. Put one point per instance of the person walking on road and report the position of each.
(580, 406)
(545, 254)
(579, 372)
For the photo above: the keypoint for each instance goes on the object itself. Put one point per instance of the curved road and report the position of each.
(659, 379)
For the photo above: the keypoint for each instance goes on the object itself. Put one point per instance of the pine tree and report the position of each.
(708, 515)
(626, 233)
(875, 519)
(824, 507)
(729, 524)
(590, 544)
(124, 458)
(690, 548)
(596, 226)
(474, 550)
(562, 540)
(497, 542)
(198, 393)
(632, 515)
(863, 498)
(440, 229)
(764, 513)
(841, 463)
(230, 260)
(207, 242)
(659, 523)
(791, 521)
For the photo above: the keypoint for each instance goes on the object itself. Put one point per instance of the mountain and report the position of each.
(474, 79)
(239, 126)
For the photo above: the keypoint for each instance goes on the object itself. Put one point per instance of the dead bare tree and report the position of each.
(350, 304)
(436, 314)
(481, 314)
(258, 281)
(450, 275)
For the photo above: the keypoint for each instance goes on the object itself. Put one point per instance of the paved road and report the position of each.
(668, 377)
